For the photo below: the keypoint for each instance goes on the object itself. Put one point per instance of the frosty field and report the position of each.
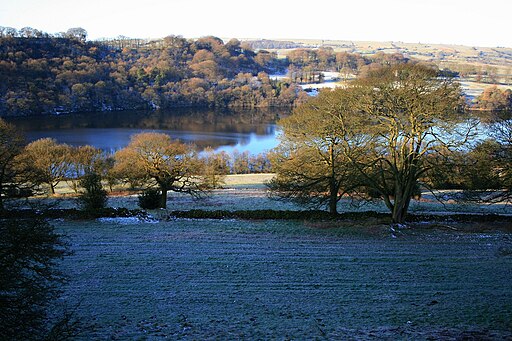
(236, 279)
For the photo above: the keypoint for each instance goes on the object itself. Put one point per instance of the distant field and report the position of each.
(465, 59)
(234, 279)
(441, 52)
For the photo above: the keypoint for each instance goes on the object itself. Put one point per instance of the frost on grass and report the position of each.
(242, 279)
(128, 220)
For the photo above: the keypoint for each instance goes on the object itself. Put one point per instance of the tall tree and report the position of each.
(50, 161)
(11, 145)
(375, 135)
(413, 113)
(171, 165)
(312, 163)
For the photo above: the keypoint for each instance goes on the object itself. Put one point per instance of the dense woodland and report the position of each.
(54, 74)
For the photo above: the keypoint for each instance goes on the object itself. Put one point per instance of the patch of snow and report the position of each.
(331, 76)
(325, 85)
(279, 76)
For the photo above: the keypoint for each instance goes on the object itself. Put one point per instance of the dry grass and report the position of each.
(63, 189)
(248, 179)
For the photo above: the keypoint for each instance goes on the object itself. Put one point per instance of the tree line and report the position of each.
(65, 73)
(387, 137)
(151, 160)
(303, 63)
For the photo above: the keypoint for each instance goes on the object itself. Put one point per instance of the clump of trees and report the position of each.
(155, 159)
(305, 64)
(379, 136)
(495, 99)
(387, 136)
(150, 161)
(50, 161)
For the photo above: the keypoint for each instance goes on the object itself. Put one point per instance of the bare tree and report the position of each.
(49, 160)
(312, 163)
(374, 136)
(413, 114)
(170, 165)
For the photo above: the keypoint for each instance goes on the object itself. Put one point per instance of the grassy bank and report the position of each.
(248, 192)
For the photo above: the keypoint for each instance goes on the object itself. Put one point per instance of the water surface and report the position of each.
(254, 131)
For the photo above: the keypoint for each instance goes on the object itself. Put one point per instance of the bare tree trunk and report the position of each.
(163, 197)
(400, 210)
(333, 188)
(401, 202)
(333, 203)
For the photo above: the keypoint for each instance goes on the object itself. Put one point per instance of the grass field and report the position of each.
(248, 192)
(236, 279)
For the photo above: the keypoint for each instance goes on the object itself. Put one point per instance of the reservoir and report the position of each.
(254, 131)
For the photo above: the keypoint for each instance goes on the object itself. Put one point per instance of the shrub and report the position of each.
(94, 197)
(150, 199)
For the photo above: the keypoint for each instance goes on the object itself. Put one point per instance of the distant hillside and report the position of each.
(44, 75)
(486, 64)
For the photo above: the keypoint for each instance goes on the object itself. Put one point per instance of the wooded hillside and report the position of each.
(47, 74)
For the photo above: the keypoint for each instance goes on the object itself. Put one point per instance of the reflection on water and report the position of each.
(253, 131)
(255, 144)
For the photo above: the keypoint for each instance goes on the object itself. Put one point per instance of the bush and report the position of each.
(150, 199)
(30, 280)
(95, 197)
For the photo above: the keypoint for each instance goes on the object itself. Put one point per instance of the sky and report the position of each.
(462, 22)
